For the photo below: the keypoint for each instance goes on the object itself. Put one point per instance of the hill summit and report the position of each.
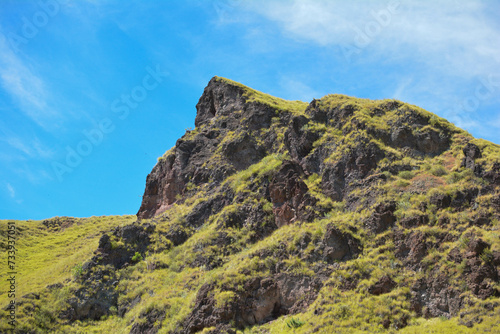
(274, 216)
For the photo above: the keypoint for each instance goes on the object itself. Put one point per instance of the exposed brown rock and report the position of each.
(471, 153)
(437, 295)
(382, 218)
(289, 196)
(262, 300)
(384, 285)
(149, 323)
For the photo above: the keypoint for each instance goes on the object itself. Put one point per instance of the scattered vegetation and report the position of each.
(294, 323)
(433, 210)
(137, 257)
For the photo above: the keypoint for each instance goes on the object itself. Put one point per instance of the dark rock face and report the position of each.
(412, 248)
(354, 166)
(243, 152)
(187, 162)
(163, 184)
(437, 296)
(218, 99)
(263, 300)
(98, 279)
(95, 298)
(383, 285)
(383, 217)
(200, 213)
(289, 195)
(471, 153)
(494, 174)
(148, 323)
(429, 142)
(134, 238)
(480, 272)
(339, 246)
(415, 221)
(300, 141)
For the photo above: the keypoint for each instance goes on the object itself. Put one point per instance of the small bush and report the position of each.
(463, 242)
(404, 204)
(268, 207)
(486, 255)
(344, 311)
(224, 298)
(137, 257)
(457, 176)
(402, 183)
(44, 319)
(426, 166)
(406, 174)
(77, 270)
(438, 170)
(294, 323)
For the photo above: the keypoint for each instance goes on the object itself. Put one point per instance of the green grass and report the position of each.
(46, 257)
(268, 165)
(252, 95)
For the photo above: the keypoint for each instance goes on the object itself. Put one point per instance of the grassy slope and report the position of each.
(49, 255)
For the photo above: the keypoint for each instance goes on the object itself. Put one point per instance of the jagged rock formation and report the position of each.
(340, 139)
(345, 213)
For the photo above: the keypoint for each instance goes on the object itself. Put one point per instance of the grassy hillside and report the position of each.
(342, 216)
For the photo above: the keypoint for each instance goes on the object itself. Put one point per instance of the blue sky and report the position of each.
(92, 92)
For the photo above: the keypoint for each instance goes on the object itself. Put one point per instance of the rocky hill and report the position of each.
(271, 216)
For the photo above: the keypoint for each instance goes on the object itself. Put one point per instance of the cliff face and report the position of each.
(224, 110)
(408, 172)
(236, 127)
(339, 215)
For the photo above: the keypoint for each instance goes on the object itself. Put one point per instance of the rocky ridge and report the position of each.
(274, 215)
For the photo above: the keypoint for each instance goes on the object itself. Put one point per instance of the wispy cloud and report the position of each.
(459, 38)
(27, 146)
(400, 91)
(12, 193)
(433, 53)
(27, 89)
(33, 173)
(35, 150)
(11, 190)
(19, 145)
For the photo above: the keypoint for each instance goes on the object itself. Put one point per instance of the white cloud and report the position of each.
(26, 88)
(35, 175)
(41, 149)
(30, 146)
(12, 194)
(458, 38)
(11, 190)
(20, 146)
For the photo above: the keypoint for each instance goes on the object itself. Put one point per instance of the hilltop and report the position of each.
(273, 216)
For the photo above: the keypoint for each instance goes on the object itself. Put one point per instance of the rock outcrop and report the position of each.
(338, 215)
(348, 145)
